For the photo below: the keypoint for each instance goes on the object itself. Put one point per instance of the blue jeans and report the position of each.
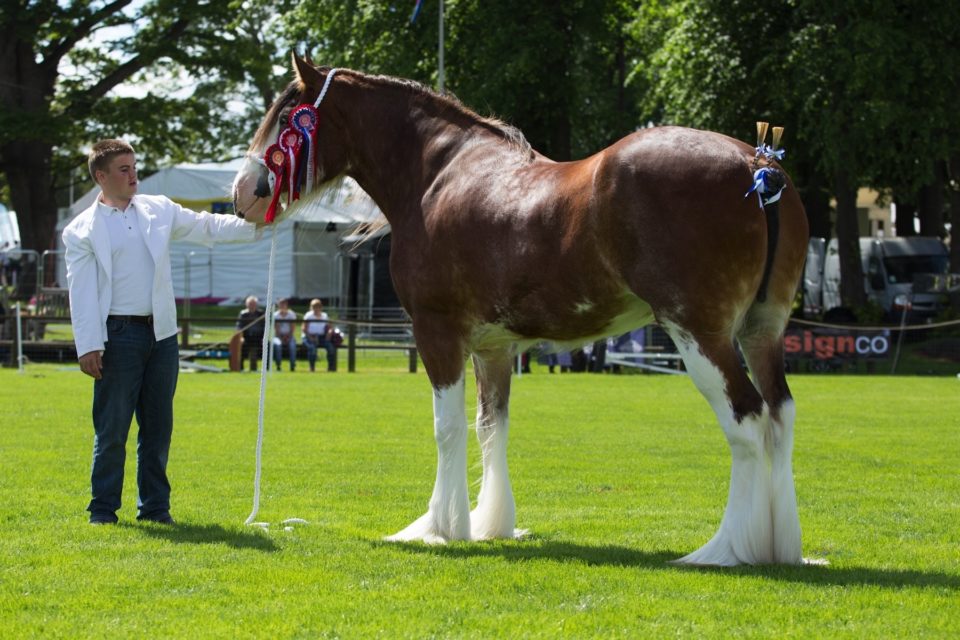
(139, 378)
(278, 352)
(312, 343)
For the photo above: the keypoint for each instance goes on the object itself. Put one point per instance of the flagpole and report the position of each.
(440, 78)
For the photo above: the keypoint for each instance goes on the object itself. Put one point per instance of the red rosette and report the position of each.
(290, 141)
(276, 161)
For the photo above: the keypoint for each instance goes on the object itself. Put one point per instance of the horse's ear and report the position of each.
(306, 73)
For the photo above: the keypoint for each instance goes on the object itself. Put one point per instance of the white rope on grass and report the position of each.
(266, 358)
(264, 370)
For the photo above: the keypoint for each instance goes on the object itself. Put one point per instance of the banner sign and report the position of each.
(826, 344)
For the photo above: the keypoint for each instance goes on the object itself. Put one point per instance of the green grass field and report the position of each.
(613, 475)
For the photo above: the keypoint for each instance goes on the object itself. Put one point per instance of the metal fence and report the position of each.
(41, 332)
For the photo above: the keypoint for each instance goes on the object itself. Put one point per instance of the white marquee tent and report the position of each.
(308, 260)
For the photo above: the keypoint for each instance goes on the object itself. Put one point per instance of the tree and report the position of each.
(557, 70)
(860, 87)
(881, 109)
(60, 69)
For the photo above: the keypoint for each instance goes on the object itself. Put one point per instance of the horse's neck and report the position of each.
(399, 144)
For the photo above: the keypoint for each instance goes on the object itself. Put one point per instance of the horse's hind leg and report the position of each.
(495, 515)
(762, 343)
(745, 535)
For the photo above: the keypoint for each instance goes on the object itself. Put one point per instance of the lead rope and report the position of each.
(266, 357)
(264, 369)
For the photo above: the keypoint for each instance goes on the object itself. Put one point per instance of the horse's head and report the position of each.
(290, 155)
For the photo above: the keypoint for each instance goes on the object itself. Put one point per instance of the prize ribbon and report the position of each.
(304, 119)
(290, 142)
(276, 161)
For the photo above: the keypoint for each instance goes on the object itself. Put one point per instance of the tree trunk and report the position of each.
(816, 200)
(848, 240)
(27, 169)
(930, 209)
(906, 213)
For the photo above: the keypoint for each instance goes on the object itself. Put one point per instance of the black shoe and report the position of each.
(163, 518)
(103, 518)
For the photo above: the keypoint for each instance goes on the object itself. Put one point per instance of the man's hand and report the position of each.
(92, 364)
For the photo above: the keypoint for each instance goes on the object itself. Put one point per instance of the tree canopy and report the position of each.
(155, 72)
(867, 91)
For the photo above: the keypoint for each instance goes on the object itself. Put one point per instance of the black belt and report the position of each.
(135, 319)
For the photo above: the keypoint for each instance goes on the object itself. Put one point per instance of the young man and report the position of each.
(125, 323)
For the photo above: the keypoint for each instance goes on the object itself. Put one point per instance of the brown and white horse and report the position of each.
(496, 247)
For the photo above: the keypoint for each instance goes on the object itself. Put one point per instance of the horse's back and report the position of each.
(680, 227)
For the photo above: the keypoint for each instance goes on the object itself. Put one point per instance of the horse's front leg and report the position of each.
(495, 514)
(448, 514)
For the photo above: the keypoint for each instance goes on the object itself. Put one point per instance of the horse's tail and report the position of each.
(775, 180)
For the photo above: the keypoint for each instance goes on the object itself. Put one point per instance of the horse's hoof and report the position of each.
(425, 529)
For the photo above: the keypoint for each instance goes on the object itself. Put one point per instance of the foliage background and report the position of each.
(867, 91)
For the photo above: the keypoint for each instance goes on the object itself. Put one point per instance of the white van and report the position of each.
(890, 268)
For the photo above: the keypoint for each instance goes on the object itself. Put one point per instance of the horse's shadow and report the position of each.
(619, 556)
(208, 534)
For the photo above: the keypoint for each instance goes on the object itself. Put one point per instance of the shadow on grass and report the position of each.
(612, 555)
(207, 534)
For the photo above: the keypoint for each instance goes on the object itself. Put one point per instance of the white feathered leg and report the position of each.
(495, 514)
(745, 535)
(762, 344)
(787, 543)
(448, 516)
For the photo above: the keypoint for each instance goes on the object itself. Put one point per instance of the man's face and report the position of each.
(119, 181)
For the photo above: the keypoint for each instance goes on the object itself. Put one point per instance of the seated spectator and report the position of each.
(283, 334)
(317, 332)
(252, 325)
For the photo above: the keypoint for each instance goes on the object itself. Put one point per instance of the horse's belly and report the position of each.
(564, 323)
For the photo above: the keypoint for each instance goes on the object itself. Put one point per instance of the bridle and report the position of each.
(291, 160)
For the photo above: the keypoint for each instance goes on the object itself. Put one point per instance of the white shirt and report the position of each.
(89, 260)
(316, 326)
(133, 266)
(284, 328)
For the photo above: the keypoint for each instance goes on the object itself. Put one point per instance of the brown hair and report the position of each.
(103, 152)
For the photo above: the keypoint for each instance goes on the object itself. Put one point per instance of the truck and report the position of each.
(908, 277)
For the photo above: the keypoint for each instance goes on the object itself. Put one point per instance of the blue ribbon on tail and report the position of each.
(770, 153)
(768, 184)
